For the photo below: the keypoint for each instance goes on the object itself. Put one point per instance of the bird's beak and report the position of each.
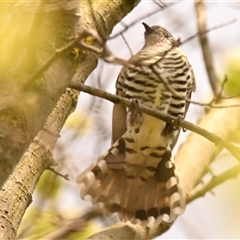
(148, 29)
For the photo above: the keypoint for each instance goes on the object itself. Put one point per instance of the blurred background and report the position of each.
(87, 132)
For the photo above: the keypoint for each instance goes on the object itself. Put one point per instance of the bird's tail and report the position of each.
(134, 200)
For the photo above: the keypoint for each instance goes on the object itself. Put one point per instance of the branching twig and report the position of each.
(172, 90)
(65, 176)
(234, 150)
(102, 51)
(208, 104)
(107, 56)
(202, 189)
(220, 94)
(64, 50)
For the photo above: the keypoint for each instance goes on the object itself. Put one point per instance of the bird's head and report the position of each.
(158, 35)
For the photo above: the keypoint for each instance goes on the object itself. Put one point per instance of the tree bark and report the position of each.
(37, 31)
(26, 104)
(25, 108)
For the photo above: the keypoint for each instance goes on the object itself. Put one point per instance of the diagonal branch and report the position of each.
(234, 150)
(193, 157)
(202, 189)
(16, 193)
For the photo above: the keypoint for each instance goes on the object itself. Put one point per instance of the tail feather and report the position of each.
(159, 197)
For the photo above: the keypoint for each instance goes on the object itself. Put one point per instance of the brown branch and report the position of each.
(206, 50)
(16, 193)
(196, 153)
(193, 157)
(101, 51)
(23, 113)
(202, 189)
(64, 176)
(221, 92)
(234, 150)
(107, 56)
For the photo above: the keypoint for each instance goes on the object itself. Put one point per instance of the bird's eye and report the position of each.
(166, 35)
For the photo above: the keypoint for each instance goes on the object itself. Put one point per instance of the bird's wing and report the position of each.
(118, 121)
(119, 111)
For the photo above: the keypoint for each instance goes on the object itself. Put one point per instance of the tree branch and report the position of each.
(206, 50)
(196, 153)
(202, 189)
(192, 159)
(234, 150)
(45, 33)
(16, 193)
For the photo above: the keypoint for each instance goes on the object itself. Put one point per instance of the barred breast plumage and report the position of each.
(136, 177)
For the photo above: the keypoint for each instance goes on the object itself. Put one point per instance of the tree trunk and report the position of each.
(29, 93)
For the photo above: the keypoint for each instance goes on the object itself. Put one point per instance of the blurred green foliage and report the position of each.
(232, 86)
(51, 225)
(48, 186)
(78, 122)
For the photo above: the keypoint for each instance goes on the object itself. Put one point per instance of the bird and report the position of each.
(136, 177)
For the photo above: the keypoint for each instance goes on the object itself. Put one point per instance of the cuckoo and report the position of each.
(136, 177)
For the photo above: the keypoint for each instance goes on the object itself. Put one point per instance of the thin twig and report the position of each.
(202, 189)
(234, 150)
(220, 94)
(208, 104)
(159, 3)
(126, 26)
(206, 50)
(65, 176)
(107, 56)
(172, 90)
(231, 97)
(208, 30)
(125, 41)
